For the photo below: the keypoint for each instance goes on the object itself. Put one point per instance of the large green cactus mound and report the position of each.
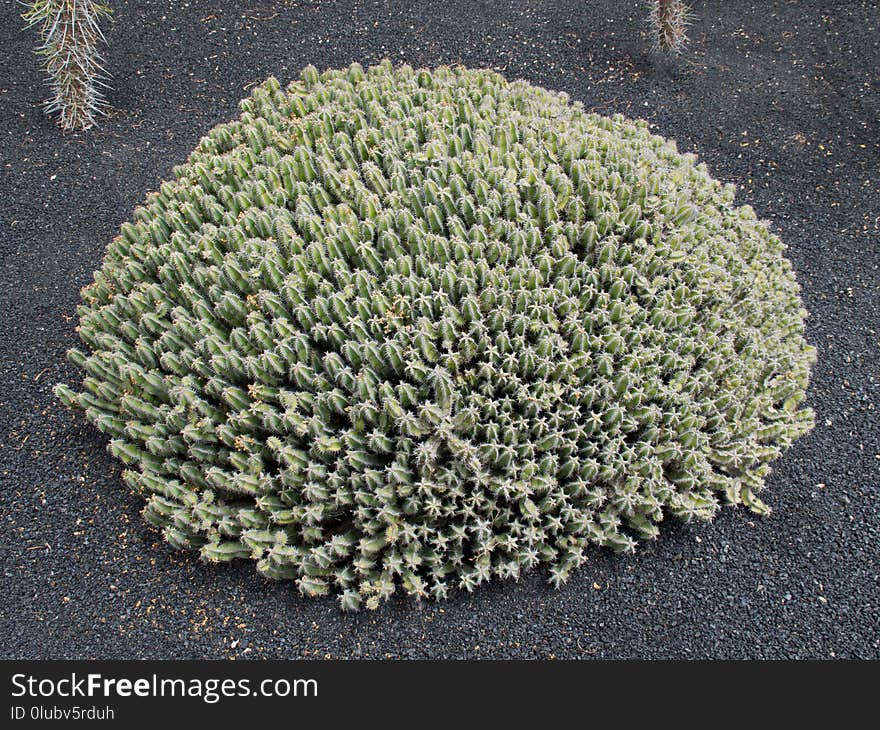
(425, 328)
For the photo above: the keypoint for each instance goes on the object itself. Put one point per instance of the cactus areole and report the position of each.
(419, 329)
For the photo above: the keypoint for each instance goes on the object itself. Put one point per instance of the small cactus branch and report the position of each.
(669, 21)
(69, 38)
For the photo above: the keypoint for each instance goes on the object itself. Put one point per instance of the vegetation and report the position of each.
(669, 22)
(400, 328)
(70, 35)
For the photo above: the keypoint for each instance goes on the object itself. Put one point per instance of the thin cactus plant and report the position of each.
(669, 20)
(70, 34)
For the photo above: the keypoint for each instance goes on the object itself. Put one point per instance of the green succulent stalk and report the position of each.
(70, 34)
(408, 329)
(669, 21)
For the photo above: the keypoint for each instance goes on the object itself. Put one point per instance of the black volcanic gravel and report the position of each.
(781, 98)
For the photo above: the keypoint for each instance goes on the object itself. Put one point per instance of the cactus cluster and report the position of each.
(402, 328)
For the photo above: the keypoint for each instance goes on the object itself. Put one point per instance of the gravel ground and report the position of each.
(781, 98)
